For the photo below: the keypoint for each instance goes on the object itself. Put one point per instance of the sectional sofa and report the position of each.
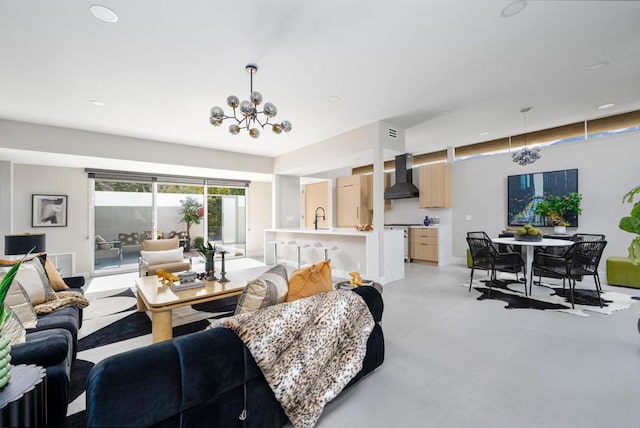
(199, 380)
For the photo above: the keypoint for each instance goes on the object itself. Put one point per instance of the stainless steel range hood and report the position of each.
(404, 187)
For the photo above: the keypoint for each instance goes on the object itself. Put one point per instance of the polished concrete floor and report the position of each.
(453, 361)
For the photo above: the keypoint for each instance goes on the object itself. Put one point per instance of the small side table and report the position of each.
(23, 402)
(347, 285)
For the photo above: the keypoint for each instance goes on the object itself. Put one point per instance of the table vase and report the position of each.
(5, 359)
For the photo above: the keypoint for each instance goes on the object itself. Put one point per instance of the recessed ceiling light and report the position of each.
(97, 103)
(605, 106)
(334, 99)
(513, 8)
(103, 13)
(445, 112)
(598, 65)
(484, 133)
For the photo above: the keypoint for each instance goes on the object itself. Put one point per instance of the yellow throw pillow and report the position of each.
(309, 281)
(56, 281)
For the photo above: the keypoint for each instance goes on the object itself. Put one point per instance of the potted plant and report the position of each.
(631, 224)
(554, 208)
(207, 251)
(191, 211)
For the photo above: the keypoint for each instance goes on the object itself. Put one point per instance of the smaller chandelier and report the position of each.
(527, 155)
(249, 111)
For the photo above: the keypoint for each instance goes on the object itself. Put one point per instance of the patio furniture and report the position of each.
(161, 254)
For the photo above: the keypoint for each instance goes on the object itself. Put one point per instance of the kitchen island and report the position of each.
(364, 252)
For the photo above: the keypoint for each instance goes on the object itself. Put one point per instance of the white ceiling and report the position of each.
(164, 64)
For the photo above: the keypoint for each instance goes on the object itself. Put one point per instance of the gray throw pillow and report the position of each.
(268, 289)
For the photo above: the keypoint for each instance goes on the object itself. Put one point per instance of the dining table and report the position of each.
(530, 245)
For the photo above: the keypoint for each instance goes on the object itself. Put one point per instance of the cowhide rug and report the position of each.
(552, 297)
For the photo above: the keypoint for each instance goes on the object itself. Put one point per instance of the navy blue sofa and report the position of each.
(197, 380)
(52, 344)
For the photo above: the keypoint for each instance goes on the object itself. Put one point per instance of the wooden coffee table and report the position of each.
(158, 299)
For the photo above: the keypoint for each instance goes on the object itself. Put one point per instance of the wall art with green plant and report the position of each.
(555, 207)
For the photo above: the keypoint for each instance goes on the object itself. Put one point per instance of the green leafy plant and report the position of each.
(4, 289)
(191, 212)
(631, 224)
(206, 250)
(556, 207)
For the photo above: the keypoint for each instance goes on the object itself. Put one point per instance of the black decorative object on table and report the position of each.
(211, 268)
(223, 277)
(23, 402)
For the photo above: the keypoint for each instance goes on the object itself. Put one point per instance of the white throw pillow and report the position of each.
(18, 300)
(32, 277)
(160, 257)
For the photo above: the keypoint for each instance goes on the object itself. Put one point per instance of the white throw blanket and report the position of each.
(308, 349)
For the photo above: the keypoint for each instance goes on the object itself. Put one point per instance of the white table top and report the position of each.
(545, 242)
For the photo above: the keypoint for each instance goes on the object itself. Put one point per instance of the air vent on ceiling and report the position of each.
(392, 133)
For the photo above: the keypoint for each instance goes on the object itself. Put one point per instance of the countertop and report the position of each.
(412, 226)
(345, 231)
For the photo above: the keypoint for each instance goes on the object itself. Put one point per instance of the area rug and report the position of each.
(111, 325)
(552, 297)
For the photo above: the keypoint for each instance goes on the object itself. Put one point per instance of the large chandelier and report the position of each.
(249, 111)
(527, 155)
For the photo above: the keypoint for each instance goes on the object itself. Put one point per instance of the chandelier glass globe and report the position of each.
(246, 108)
(270, 110)
(217, 112)
(256, 98)
(233, 101)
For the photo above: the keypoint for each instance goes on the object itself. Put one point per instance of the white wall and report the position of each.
(6, 198)
(287, 201)
(607, 169)
(259, 216)
(30, 179)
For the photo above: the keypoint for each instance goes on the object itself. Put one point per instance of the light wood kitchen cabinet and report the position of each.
(352, 205)
(316, 195)
(424, 244)
(434, 182)
(369, 196)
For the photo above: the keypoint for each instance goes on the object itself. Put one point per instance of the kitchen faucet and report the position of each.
(315, 221)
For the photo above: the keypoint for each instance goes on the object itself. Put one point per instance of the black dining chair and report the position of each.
(501, 248)
(560, 251)
(577, 237)
(581, 259)
(484, 255)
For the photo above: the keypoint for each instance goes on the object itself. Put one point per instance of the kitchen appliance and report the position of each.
(407, 236)
(404, 187)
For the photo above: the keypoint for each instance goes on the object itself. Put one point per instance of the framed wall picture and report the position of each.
(49, 211)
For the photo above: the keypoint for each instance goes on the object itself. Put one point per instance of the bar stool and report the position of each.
(324, 248)
(299, 247)
(275, 250)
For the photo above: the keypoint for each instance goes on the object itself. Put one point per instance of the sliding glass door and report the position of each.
(226, 222)
(123, 214)
(180, 211)
(128, 211)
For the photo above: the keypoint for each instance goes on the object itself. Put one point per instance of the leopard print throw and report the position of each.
(308, 349)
